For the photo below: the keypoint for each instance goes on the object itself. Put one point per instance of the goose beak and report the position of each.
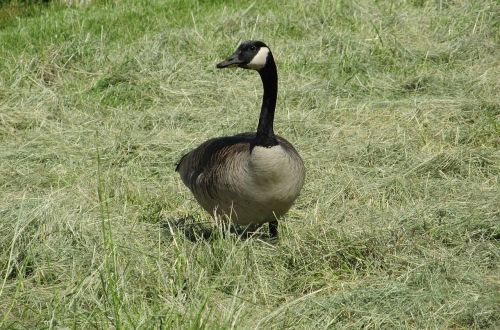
(231, 62)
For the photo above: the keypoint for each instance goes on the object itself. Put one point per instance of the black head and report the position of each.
(249, 55)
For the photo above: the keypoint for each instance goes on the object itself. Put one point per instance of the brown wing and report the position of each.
(210, 157)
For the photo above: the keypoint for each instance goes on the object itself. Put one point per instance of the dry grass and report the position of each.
(394, 107)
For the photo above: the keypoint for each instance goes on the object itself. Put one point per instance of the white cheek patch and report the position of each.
(259, 60)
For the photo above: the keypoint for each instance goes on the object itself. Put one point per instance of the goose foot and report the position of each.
(273, 229)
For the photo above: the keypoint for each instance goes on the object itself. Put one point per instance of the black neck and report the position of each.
(265, 135)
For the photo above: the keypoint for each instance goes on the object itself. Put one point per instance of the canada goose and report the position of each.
(249, 178)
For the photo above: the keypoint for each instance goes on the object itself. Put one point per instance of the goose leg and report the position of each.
(273, 229)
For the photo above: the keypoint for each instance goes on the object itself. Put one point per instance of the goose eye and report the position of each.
(253, 47)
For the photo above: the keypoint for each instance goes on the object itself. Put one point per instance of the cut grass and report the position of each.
(394, 107)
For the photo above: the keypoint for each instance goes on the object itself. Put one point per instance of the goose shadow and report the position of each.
(187, 226)
(196, 231)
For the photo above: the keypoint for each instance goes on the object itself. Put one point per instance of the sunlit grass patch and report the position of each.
(393, 106)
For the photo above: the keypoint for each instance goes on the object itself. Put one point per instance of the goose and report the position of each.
(250, 178)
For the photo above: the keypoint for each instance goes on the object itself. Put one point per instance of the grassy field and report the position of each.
(393, 105)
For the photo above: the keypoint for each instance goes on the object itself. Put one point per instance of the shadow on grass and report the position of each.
(189, 227)
(195, 231)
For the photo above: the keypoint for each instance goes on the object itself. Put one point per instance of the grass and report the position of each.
(394, 106)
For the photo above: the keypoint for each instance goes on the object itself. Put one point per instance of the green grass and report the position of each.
(394, 106)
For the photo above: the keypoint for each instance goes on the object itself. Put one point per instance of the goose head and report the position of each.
(254, 55)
